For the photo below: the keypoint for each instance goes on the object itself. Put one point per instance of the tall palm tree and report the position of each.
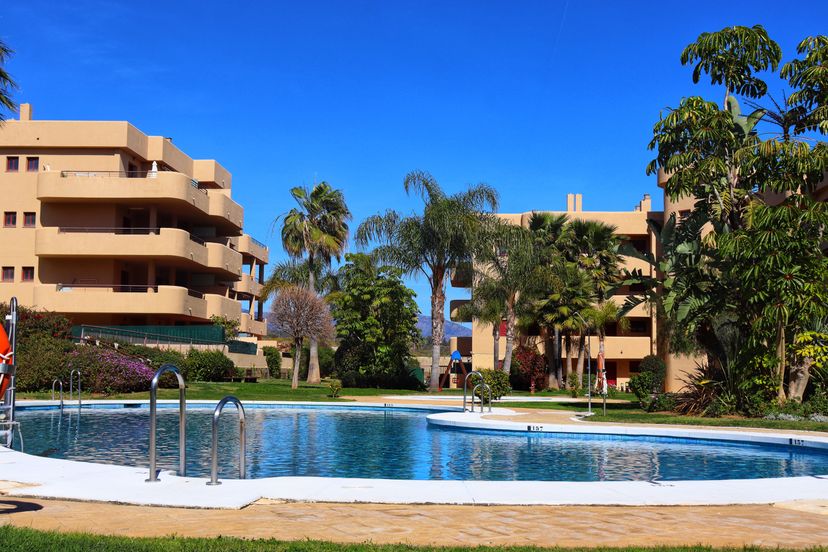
(600, 316)
(318, 229)
(296, 272)
(432, 243)
(487, 309)
(7, 84)
(505, 262)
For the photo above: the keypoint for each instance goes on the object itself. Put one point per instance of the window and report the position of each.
(9, 219)
(29, 220)
(32, 164)
(12, 164)
(27, 274)
(8, 274)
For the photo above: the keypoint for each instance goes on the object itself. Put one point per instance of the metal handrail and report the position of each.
(242, 440)
(61, 391)
(474, 392)
(182, 421)
(127, 174)
(257, 242)
(8, 367)
(71, 381)
(466, 385)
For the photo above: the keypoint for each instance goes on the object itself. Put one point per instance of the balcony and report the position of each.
(247, 245)
(222, 257)
(225, 208)
(461, 277)
(172, 244)
(89, 186)
(219, 305)
(248, 285)
(621, 347)
(115, 299)
(454, 310)
(250, 325)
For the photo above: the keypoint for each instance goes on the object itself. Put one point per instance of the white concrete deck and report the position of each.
(32, 476)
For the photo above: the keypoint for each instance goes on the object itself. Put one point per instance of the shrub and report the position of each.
(527, 366)
(30, 322)
(41, 359)
(336, 387)
(208, 366)
(229, 325)
(649, 382)
(273, 357)
(498, 380)
(573, 383)
(108, 371)
(153, 356)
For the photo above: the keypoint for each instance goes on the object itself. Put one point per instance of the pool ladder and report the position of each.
(60, 383)
(482, 386)
(182, 428)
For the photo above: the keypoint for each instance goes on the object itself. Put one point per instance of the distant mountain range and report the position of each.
(452, 329)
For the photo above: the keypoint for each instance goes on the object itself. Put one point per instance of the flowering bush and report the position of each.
(527, 366)
(108, 371)
(30, 322)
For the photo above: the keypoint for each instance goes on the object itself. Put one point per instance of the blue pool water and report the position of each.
(396, 444)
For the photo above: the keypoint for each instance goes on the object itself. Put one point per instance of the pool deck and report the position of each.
(770, 512)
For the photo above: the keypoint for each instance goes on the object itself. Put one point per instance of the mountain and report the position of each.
(452, 329)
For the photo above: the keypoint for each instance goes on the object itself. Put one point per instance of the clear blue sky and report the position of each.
(537, 98)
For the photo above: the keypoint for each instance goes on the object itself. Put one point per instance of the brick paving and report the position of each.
(439, 525)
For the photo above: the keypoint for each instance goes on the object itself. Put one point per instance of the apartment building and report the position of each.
(113, 227)
(624, 349)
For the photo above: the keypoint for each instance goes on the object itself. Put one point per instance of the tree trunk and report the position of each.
(568, 359)
(438, 301)
(558, 360)
(600, 369)
(511, 322)
(798, 377)
(550, 349)
(297, 357)
(581, 355)
(313, 359)
(780, 356)
(496, 346)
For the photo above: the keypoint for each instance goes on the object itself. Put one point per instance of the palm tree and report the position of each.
(487, 310)
(505, 263)
(600, 316)
(7, 84)
(432, 243)
(295, 272)
(318, 228)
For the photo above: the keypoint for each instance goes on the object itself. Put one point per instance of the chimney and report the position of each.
(570, 203)
(578, 203)
(646, 204)
(25, 112)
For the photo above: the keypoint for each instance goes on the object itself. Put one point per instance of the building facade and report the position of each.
(624, 349)
(113, 227)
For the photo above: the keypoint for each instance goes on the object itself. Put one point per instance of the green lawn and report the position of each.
(16, 539)
(629, 412)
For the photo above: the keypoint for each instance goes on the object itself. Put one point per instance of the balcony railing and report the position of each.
(118, 288)
(257, 242)
(107, 230)
(126, 174)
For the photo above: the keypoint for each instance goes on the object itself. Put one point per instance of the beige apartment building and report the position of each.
(624, 350)
(114, 227)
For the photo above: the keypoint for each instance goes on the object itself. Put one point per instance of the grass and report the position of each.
(21, 539)
(630, 413)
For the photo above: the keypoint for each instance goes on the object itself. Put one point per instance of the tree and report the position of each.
(600, 316)
(318, 228)
(7, 84)
(738, 260)
(229, 325)
(487, 306)
(299, 313)
(376, 321)
(296, 272)
(439, 240)
(505, 262)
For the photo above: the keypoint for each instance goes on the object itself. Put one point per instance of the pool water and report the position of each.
(395, 444)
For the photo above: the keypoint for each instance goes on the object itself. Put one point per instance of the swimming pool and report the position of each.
(397, 443)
